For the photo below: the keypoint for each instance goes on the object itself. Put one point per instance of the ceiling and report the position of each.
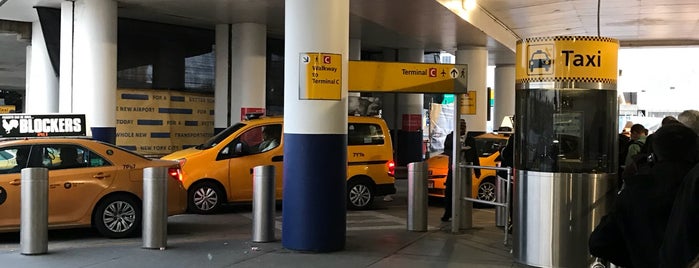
(433, 25)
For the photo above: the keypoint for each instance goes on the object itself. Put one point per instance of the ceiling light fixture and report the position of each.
(469, 4)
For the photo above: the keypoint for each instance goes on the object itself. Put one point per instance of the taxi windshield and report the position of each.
(220, 136)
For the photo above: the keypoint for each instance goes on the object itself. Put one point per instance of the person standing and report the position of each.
(631, 235)
(638, 139)
(471, 155)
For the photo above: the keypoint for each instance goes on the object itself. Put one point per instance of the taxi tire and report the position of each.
(127, 204)
(362, 192)
(204, 187)
(487, 185)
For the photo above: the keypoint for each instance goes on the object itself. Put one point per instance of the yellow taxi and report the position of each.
(488, 147)
(219, 170)
(91, 183)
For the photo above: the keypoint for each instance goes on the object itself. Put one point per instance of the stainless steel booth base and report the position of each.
(555, 214)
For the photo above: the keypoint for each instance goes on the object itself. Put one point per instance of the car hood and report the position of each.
(189, 152)
(438, 161)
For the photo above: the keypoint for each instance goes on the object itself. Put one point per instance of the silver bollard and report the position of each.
(34, 215)
(263, 204)
(462, 210)
(500, 213)
(155, 207)
(417, 196)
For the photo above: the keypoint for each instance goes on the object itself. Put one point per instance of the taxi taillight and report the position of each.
(391, 167)
(175, 173)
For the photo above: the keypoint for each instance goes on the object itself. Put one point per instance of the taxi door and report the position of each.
(78, 177)
(261, 145)
(10, 190)
(9, 200)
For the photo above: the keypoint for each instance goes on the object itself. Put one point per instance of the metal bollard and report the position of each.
(34, 215)
(462, 210)
(417, 196)
(155, 207)
(500, 213)
(263, 204)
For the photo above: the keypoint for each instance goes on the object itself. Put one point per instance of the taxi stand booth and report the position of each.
(565, 146)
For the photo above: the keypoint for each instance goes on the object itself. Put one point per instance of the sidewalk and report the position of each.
(377, 238)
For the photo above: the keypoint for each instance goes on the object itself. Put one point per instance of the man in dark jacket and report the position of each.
(471, 155)
(681, 242)
(632, 233)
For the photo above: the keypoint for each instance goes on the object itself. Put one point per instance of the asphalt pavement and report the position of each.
(375, 238)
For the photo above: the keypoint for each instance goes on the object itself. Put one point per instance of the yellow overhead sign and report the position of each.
(320, 76)
(369, 76)
(571, 58)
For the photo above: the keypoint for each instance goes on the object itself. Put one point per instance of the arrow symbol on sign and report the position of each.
(454, 73)
(305, 58)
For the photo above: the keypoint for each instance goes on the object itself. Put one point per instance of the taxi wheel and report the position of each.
(486, 190)
(118, 216)
(204, 198)
(360, 194)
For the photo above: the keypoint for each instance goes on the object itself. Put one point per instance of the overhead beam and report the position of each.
(483, 20)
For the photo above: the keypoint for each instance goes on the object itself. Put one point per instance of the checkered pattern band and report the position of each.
(566, 79)
(568, 38)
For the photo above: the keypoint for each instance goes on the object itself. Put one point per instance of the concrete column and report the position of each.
(95, 67)
(477, 60)
(355, 53)
(355, 49)
(65, 79)
(409, 122)
(222, 85)
(248, 69)
(504, 93)
(315, 131)
(42, 90)
(410, 104)
(388, 100)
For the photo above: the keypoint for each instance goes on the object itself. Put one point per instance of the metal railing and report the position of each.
(458, 194)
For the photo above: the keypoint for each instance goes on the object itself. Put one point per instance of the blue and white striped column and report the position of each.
(315, 131)
(95, 67)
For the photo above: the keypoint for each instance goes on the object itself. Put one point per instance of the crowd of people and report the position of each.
(652, 223)
(654, 218)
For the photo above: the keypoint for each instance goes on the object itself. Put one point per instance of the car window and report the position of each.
(487, 147)
(364, 134)
(4, 155)
(220, 136)
(260, 139)
(14, 159)
(65, 156)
